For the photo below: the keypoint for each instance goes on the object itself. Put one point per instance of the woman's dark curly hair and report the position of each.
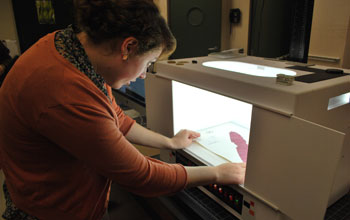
(110, 20)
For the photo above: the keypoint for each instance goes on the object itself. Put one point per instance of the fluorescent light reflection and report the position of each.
(338, 101)
(247, 68)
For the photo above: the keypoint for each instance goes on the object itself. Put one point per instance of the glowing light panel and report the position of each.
(195, 109)
(247, 68)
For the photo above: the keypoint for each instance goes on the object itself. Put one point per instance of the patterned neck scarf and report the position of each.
(68, 45)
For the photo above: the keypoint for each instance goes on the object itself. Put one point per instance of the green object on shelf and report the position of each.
(45, 11)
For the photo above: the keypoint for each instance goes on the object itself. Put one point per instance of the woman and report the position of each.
(64, 139)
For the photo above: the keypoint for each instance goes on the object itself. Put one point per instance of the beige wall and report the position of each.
(163, 7)
(329, 38)
(238, 37)
(7, 32)
(330, 32)
(346, 57)
(7, 21)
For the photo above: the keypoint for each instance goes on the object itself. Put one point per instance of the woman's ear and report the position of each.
(128, 47)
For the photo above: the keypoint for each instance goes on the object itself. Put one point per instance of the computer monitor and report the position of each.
(132, 97)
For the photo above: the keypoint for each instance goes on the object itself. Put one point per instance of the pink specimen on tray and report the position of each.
(242, 146)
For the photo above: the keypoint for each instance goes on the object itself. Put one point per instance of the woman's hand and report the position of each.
(183, 139)
(143, 136)
(230, 173)
(224, 174)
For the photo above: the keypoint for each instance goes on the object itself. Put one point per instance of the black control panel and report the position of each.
(226, 194)
(230, 196)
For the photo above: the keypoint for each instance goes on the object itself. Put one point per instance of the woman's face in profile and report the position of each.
(127, 71)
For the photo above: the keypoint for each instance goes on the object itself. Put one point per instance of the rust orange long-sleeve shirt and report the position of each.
(62, 141)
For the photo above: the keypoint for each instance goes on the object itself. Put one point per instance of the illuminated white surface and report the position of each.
(247, 68)
(196, 109)
(338, 101)
(217, 140)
